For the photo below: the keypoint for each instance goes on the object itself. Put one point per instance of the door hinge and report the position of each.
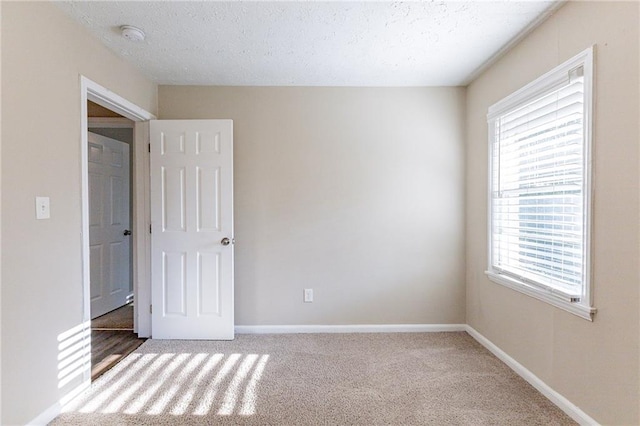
(150, 309)
(149, 147)
(150, 229)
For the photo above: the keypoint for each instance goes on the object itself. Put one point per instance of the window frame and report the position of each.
(535, 90)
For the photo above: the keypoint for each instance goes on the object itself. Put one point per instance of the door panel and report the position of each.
(109, 252)
(174, 283)
(95, 276)
(96, 200)
(209, 283)
(208, 199)
(117, 201)
(191, 212)
(174, 209)
(119, 267)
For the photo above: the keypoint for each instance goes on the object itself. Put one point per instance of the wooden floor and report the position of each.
(108, 347)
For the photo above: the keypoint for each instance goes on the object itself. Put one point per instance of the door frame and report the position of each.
(141, 220)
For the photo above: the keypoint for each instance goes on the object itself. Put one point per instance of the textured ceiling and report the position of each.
(435, 43)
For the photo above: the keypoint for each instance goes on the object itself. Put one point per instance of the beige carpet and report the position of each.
(120, 319)
(314, 379)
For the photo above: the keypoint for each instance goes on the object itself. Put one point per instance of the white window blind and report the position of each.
(539, 186)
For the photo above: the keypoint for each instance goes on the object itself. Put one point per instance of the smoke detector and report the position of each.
(132, 33)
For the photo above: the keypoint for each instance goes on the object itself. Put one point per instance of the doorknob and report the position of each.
(126, 232)
(225, 241)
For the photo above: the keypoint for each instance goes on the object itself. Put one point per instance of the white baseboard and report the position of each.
(563, 403)
(71, 395)
(54, 411)
(46, 416)
(357, 328)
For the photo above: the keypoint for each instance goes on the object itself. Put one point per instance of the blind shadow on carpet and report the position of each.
(310, 379)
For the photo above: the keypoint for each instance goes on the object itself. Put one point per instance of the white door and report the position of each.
(192, 229)
(109, 241)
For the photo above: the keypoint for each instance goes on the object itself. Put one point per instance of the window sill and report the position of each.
(582, 311)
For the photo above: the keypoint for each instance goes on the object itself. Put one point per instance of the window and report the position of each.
(539, 188)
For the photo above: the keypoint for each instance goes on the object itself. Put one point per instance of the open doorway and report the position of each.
(108, 115)
(110, 139)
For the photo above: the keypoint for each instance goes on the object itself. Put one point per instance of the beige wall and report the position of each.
(357, 193)
(594, 364)
(43, 55)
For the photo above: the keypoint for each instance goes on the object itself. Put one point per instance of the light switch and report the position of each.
(42, 208)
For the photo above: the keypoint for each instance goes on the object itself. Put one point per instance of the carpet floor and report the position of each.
(119, 319)
(313, 379)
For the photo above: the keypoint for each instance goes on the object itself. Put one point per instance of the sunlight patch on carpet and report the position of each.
(181, 407)
(206, 402)
(178, 384)
(248, 407)
(231, 395)
(108, 390)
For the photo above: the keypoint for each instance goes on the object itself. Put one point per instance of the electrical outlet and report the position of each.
(43, 210)
(308, 295)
